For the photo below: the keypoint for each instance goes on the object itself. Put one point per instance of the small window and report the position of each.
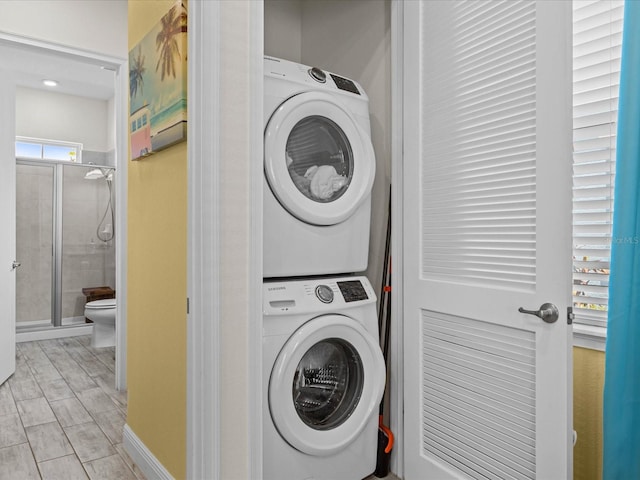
(36, 149)
(144, 120)
(139, 122)
(59, 152)
(28, 150)
(133, 126)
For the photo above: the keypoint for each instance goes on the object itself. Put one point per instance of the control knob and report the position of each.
(318, 75)
(324, 293)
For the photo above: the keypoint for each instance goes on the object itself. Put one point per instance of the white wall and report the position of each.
(56, 116)
(98, 26)
(95, 25)
(283, 29)
(111, 124)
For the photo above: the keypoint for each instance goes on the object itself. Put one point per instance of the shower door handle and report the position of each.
(15, 265)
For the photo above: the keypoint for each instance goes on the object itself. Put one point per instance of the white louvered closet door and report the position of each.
(487, 229)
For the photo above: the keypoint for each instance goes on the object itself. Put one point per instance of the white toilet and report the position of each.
(103, 315)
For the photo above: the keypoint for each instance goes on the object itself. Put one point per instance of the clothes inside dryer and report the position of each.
(327, 384)
(319, 159)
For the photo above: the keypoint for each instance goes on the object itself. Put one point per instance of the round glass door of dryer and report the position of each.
(319, 159)
(319, 162)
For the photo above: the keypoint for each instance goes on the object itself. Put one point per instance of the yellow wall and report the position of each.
(157, 286)
(588, 381)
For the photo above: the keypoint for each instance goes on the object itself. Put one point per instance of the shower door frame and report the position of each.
(57, 234)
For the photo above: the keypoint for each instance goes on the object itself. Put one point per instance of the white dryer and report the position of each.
(323, 379)
(319, 167)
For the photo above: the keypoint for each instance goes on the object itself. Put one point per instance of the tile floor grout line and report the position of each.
(56, 352)
(24, 429)
(75, 453)
(91, 415)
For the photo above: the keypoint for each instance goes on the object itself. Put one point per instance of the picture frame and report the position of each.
(158, 86)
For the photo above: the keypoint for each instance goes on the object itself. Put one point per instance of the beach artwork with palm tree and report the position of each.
(158, 85)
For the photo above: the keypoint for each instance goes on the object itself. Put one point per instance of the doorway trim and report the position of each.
(120, 67)
(396, 387)
(121, 103)
(256, 252)
(203, 242)
(205, 371)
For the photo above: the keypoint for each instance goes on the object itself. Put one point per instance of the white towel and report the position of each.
(325, 181)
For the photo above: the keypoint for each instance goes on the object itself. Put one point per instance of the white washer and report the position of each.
(319, 167)
(323, 379)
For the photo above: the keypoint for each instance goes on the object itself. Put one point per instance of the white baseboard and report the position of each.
(142, 457)
(54, 332)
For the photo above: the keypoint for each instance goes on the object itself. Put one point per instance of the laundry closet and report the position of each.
(351, 38)
(327, 93)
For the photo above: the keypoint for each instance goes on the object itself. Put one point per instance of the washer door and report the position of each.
(319, 162)
(326, 384)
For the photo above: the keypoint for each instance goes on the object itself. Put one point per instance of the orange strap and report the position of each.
(389, 433)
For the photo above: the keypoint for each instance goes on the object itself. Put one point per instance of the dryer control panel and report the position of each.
(309, 75)
(345, 84)
(316, 295)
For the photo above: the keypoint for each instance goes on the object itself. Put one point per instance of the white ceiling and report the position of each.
(29, 67)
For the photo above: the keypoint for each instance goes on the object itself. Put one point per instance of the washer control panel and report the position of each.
(315, 295)
(352, 291)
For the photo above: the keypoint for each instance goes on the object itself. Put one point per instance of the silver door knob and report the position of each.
(547, 312)
(15, 265)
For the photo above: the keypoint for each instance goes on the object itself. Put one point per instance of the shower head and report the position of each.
(96, 173)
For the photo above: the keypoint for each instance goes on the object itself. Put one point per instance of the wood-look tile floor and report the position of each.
(61, 417)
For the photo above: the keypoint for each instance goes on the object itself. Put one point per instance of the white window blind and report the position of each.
(597, 40)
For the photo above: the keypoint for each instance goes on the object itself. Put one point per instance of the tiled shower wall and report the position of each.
(86, 261)
(99, 158)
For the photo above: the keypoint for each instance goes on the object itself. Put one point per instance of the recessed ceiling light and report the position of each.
(50, 83)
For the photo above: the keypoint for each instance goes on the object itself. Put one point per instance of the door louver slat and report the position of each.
(478, 396)
(482, 151)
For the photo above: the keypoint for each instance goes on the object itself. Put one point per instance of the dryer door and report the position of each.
(326, 384)
(319, 162)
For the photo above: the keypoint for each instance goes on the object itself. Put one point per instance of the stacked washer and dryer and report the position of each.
(324, 373)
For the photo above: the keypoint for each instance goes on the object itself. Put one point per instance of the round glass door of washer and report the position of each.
(326, 384)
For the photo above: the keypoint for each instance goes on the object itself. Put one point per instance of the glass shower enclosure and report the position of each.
(64, 240)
